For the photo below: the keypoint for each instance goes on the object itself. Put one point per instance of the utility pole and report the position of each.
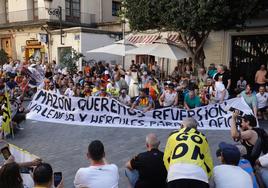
(58, 13)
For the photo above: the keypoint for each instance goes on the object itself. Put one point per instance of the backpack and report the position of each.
(263, 139)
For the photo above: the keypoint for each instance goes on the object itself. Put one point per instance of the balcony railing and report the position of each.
(42, 14)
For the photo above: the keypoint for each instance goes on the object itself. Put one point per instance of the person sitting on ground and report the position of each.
(204, 97)
(225, 76)
(43, 176)
(99, 174)
(240, 85)
(262, 103)
(187, 157)
(229, 174)
(53, 89)
(169, 97)
(124, 98)
(250, 98)
(102, 93)
(143, 169)
(143, 102)
(10, 176)
(247, 134)
(113, 88)
(245, 164)
(262, 165)
(86, 92)
(97, 87)
(212, 70)
(69, 92)
(191, 100)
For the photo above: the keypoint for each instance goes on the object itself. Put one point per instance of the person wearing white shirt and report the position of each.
(262, 162)
(53, 89)
(99, 174)
(241, 84)
(262, 101)
(69, 92)
(124, 98)
(229, 174)
(169, 97)
(7, 67)
(221, 93)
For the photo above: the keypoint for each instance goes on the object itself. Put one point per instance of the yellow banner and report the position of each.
(6, 114)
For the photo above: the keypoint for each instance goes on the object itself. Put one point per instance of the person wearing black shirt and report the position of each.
(147, 169)
(226, 78)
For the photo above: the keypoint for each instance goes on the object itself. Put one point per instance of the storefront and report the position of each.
(34, 50)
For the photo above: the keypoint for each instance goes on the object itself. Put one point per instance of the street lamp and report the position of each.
(58, 13)
(122, 15)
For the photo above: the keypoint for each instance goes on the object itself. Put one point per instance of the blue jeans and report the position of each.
(264, 175)
(132, 176)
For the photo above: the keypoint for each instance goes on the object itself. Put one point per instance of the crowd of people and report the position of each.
(186, 161)
(182, 88)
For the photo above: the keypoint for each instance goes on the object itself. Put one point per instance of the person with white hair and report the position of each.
(187, 157)
(225, 77)
(147, 169)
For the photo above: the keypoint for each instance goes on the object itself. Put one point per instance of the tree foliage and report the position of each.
(69, 58)
(193, 19)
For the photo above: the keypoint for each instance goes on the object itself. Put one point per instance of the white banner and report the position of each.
(108, 112)
(22, 156)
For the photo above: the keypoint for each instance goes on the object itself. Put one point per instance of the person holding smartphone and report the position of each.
(44, 177)
(9, 158)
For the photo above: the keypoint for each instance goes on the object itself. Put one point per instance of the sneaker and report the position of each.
(19, 127)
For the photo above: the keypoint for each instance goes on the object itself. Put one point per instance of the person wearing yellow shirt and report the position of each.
(187, 157)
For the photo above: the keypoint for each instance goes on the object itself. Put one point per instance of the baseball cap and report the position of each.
(230, 153)
(251, 118)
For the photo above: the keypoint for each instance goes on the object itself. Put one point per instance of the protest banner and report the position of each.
(6, 117)
(108, 112)
(22, 156)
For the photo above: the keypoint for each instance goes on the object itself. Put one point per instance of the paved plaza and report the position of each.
(65, 146)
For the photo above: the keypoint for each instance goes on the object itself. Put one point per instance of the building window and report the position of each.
(115, 7)
(35, 9)
(6, 11)
(73, 10)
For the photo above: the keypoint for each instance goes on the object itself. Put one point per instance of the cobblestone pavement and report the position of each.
(65, 146)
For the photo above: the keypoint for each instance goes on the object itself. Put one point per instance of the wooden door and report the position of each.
(6, 45)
